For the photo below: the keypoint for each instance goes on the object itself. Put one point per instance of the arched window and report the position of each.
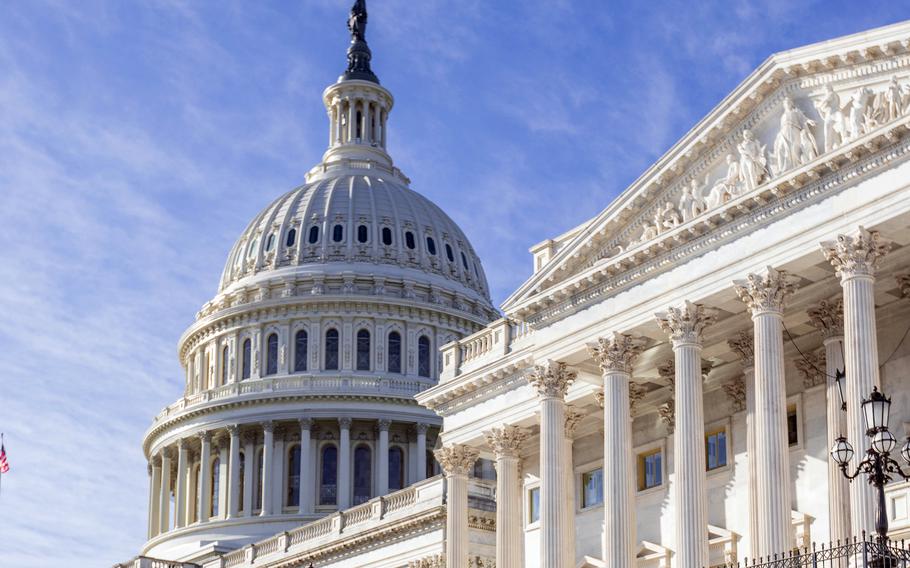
(363, 234)
(387, 236)
(242, 481)
(423, 356)
(338, 233)
(314, 235)
(257, 496)
(252, 250)
(300, 351)
(271, 360)
(431, 246)
(291, 238)
(394, 352)
(409, 240)
(449, 254)
(225, 362)
(363, 474)
(359, 125)
(396, 468)
(270, 242)
(331, 350)
(293, 494)
(328, 481)
(363, 350)
(247, 356)
(215, 484)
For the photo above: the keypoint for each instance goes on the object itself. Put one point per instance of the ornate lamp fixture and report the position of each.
(877, 463)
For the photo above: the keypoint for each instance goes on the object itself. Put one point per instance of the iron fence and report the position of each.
(865, 552)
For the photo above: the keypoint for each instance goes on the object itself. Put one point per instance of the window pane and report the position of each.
(431, 246)
(394, 352)
(592, 488)
(291, 238)
(247, 348)
(363, 474)
(649, 470)
(396, 469)
(449, 254)
(331, 350)
(423, 356)
(363, 234)
(792, 427)
(387, 236)
(328, 486)
(300, 351)
(271, 362)
(534, 505)
(314, 235)
(363, 350)
(338, 233)
(293, 495)
(464, 261)
(225, 362)
(409, 240)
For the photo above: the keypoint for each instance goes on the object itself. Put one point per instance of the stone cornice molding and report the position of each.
(552, 379)
(828, 317)
(457, 459)
(685, 324)
(506, 441)
(856, 255)
(744, 346)
(616, 354)
(765, 293)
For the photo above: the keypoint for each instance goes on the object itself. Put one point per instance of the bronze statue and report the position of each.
(357, 21)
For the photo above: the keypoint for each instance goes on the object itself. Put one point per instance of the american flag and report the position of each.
(4, 465)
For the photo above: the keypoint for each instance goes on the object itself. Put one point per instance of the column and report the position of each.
(551, 381)
(457, 462)
(164, 495)
(385, 130)
(764, 295)
(422, 451)
(365, 129)
(306, 478)
(154, 502)
(344, 464)
(352, 120)
(685, 326)
(205, 475)
(223, 477)
(855, 258)
(506, 444)
(742, 345)
(233, 492)
(268, 451)
(192, 505)
(615, 356)
(181, 504)
(377, 135)
(383, 461)
(573, 418)
(250, 465)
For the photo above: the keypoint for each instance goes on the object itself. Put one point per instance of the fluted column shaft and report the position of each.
(421, 452)
(685, 326)
(154, 501)
(506, 443)
(250, 465)
(344, 464)
(180, 498)
(855, 258)
(205, 474)
(352, 120)
(457, 462)
(268, 450)
(165, 492)
(306, 485)
(233, 471)
(573, 417)
(366, 127)
(383, 460)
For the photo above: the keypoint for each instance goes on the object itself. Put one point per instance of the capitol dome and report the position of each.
(301, 372)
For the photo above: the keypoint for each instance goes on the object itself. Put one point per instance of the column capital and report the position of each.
(857, 254)
(155, 461)
(233, 430)
(345, 422)
(636, 393)
(811, 367)
(506, 441)
(205, 437)
(736, 392)
(422, 428)
(903, 282)
(765, 293)
(667, 372)
(166, 453)
(617, 353)
(552, 379)
(573, 418)
(744, 346)
(456, 459)
(685, 324)
(667, 412)
(181, 444)
(305, 423)
(268, 426)
(828, 317)
(384, 425)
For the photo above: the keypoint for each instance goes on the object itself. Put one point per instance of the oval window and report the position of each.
(291, 238)
(464, 261)
(449, 254)
(314, 235)
(270, 242)
(409, 240)
(362, 234)
(431, 246)
(387, 236)
(338, 233)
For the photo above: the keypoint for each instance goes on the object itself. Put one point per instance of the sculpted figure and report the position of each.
(753, 164)
(860, 113)
(832, 118)
(691, 203)
(794, 144)
(894, 100)
(649, 231)
(726, 187)
(669, 217)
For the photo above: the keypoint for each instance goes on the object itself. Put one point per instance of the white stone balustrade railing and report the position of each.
(299, 384)
(146, 562)
(496, 340)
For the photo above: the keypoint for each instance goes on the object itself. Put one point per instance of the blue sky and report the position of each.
(137, 139)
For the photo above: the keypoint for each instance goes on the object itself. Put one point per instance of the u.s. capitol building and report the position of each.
(664, 390)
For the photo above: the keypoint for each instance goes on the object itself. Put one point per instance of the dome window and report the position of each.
(252, 250)
(363, 350)
(291, 238)
(338, 233)
(409, 240)
(423, 356)
(449, 254)
(314, 234)
(247, 359)
(363, 234)
(270, 242)
(300, 351)
(331, 350)
(464, 261)
(387, 236)
(394, 352)
(431, 246)
(271, 358)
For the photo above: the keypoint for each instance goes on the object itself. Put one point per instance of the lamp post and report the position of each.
(877, 464)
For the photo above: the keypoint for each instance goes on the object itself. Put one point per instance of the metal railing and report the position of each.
(865, 552)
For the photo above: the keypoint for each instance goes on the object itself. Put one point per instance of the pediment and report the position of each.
(801, 115)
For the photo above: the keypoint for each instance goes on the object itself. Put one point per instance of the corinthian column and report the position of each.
(180, 500)
(205, 476)
(268, 450)
(764, 296)
(828, 318)
(305, 486)
(506, 444)
(457, 461)
(855, 258)
(615, 356)
(233, 472)
(551, 381)
(344, 464)
(742, 345)
(154, 501)
(685, 326)
(573, 417)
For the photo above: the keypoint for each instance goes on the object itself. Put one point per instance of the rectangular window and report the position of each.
(650, 469)
(592, 488)
(534, 505)
(716, 449)
(792, 426)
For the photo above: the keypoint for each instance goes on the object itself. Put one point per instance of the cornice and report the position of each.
(477, 386)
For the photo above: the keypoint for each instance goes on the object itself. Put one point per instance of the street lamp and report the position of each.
(877, 463)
